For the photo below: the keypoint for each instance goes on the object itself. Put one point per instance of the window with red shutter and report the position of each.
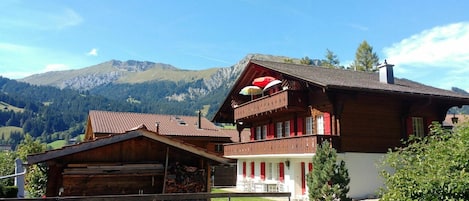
(252, 169)
(262, 170)
(303, 178)
(281, 172)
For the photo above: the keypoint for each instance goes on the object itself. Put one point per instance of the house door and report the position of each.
(298, 179)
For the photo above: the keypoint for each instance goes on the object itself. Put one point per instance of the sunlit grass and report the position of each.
(217, 190)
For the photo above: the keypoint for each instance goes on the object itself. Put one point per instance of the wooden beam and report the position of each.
(165, 169)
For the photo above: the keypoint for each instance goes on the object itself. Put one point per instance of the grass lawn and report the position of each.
(217, 190)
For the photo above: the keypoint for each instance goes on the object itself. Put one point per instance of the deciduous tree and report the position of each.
(36, 178)
(431, 168)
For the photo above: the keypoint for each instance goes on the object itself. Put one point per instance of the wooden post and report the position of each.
(165, 170)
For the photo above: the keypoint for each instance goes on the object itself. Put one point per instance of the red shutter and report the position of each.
(281, 172)
(253, 133)
(252, 169)
(410, 129)
(327, 123)
(262, 170)
(292, 127)
(244, 169)
(310, 167)
(303, 178)
(300, 125)
(271, 131)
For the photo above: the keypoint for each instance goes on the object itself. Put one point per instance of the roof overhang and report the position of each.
(85, 146)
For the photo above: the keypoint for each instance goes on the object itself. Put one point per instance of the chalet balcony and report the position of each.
(289, 145)
(283, 100)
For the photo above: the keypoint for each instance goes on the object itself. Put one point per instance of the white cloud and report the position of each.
(437, 56)
(93, 52)
(18, 61)
(443, 46)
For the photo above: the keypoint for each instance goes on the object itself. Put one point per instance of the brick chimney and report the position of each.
(386, 74)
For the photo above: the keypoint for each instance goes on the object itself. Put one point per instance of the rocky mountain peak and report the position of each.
(137, 66)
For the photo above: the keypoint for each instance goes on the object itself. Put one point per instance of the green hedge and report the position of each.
(8, 191)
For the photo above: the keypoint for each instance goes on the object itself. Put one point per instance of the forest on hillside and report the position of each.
(48, 113)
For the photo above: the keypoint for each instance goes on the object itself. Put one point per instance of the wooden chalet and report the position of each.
(135, 162)
(363, 115)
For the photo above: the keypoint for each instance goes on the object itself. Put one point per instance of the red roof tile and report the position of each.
(106, 122)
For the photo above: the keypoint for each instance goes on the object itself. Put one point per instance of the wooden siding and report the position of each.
(371, 123)
(286, 99)
(74, 175)
(290, 145)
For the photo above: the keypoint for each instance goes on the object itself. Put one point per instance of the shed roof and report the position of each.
(141, 131)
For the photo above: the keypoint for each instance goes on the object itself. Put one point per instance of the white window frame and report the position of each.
(309, 125)
(269, 172)
(417, 126)
(279, 129)
(287, 128)
(258, 132)
(320, 124)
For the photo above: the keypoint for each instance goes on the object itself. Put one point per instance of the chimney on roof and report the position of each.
(199, 124)
(157, 124)
(386, 73)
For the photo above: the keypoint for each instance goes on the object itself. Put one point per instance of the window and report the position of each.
(287, 129)
(320, 125)
(279, 130)
(417, 126)
(219, 148)
(258, 132)
(309, 125)
(264, 132)
(269, 175)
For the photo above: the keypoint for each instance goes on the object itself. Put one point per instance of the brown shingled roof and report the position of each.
(331, 79)
(354, 80)
(106, 122)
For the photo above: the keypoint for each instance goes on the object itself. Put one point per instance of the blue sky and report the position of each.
(426, 40)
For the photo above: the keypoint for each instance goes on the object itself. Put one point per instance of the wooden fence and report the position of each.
(160, 197)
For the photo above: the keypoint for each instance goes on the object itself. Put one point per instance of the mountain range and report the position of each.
(55, 105)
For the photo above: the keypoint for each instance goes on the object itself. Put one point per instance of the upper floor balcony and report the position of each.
(283, 100)
(289, 145)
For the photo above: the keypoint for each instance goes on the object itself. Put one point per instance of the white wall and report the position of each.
(364, 174)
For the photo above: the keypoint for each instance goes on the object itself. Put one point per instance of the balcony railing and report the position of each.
(289, 145)
(286, 99)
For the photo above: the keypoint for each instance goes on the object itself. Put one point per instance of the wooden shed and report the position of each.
(137, 162)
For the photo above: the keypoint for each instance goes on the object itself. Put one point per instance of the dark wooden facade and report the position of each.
(139, 162)
(355, 110)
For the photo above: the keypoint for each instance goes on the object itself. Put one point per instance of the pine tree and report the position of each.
(328, 180)
(365, 58)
